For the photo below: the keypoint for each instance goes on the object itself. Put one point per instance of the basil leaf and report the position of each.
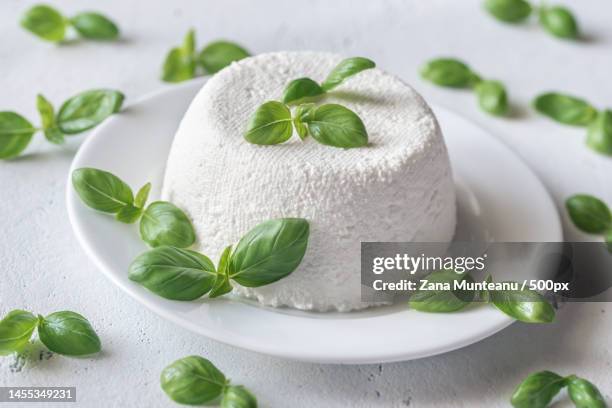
(95, 26)
(129, 214)
(174, 273)
(47, 117)
(101, 190)
(525, 305)
(163, 223)
(301, 88)
(584, 394)
(599, 136)
(219, 54)
(236, 396)
(270, 251)
(335, 125)
(45, 22)
(492, 97)
(559, 21)
(68, 333)
(270, 124)
(608, 239)
(142, 196)
(15, 134)
(510, 11)
(589, 213)
(442, 301)
(15, 331)
(302, 112)
(448, 72)
(88, 109)
(345, 69)
(537, 390)
(193, 380)
(180, 64)
(222, 281)
(565, 109)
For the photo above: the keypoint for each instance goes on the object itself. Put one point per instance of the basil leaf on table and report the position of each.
(345, 69)
(101, 190)
(442, 301)
(15, 330)
(68, 333)
(335, 125)
(524, 305)
(45, 22)
(599, 135)
(492, 97)
(47, 117)
(270, 124)
(129, 214)
(559, 21)
(222, 283)
(510, 11)
(565, 109)
(88, 109)
(163, 223)
(584, 394)
(142, 196)
(537, 390)
(180, 63)
(448, 72)
(95, 26)
(193, 380)
(15, 134)
(301, 88)
(589, 213)
(270, 251)
(236, 396)
(219, 54)
(174, 273)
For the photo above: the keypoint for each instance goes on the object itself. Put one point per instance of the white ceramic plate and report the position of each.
(499, 197)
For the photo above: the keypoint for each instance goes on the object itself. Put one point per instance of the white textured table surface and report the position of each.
(43, 269)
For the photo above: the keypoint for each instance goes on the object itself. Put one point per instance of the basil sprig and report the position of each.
(557, 20)
(441, 301)
(591, 215)
(182, 62)
(78, 114)
(194, 380)
(574, 111)
(452, 73)
(269, 252)
(65, 332)
(539, 389)
(50, 25)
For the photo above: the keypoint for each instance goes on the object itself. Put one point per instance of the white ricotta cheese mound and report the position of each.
(399, 188)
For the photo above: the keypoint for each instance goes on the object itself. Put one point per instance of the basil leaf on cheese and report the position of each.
(335, 125)
(301, 88)
(345, 69)
(270, 124)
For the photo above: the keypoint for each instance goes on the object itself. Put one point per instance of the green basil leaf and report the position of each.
(492, 97)
(47, 117)
(163, 223)
(608, 239)
(589, 213)
(442, 301)
(68, 333)
(45, 22)
(193, 380)
(15, 331)
(222, 281)
(142, 196)
(599, 136)
(302, 112)
(565, 109)
(345, 69)
(236, 396)
(180, 64)
(174, 273)
(15, 134)
(270, 124)
(559, 21)
(525, 305)
(129, 214)
(101, 190)
(270, 251)
(510, 11)
(449, 72)
(584, 394)
(219, 54)
(335, 125)
(301, 88)
(537, 390)
(95, 26)
(88, 109)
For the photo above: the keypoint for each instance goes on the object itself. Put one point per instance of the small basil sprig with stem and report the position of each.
(77, 115)
(49, 24)
(539, 389)
(161, 223)
(182, 62)
(452, 73)
(557, 20)
(194, 380)
(65, 332)
(573, 111)
(591, 215)
(269, 252)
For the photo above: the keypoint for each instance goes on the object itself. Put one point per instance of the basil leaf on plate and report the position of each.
(129, 214)
(222, 283)
(236, 396)
(15, 134)
(68, 333)
(219, 54)
(584, 394)
(88, 109)
(448, 72)
(510, 11)
(559, 21)
(335, 125)
(180, 64)
(15, 331)
(301, 88)
(270, 124)
(95, 26)
(142, 196)
(270, 251)
(492, 97)
(174, 273)
(47, 117)
(193, 380)
(45, 22)
(101, 190)
(599, 135)
(345, 69)
(537, 390)
(589, 213)
(442, 301)
(163, 223)
(525, 305)
(565, 109)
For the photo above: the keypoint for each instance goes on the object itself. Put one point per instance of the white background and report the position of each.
(43, 269)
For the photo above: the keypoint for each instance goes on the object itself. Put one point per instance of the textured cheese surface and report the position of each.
(399, 188)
